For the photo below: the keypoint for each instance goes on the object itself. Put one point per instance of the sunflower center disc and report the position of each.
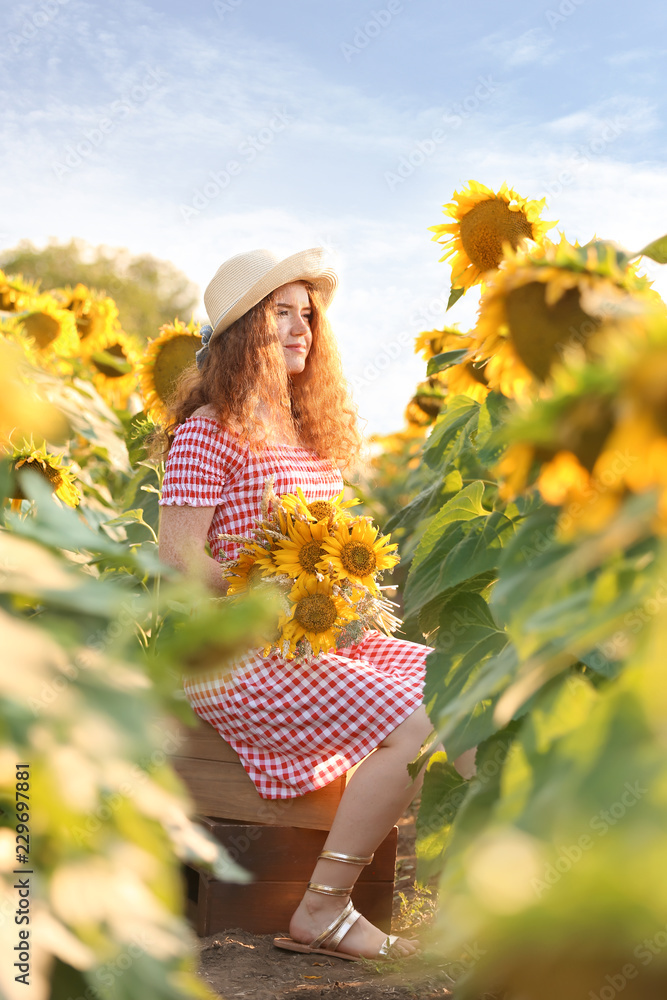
(321, 509)
(487, 226)
(316, 613)
(358, 558)
(117, 352)
(255, 574)
(539, 330)
(47, 472)
(175, 355)
(309, 555)
(42, 327)
(585, 428)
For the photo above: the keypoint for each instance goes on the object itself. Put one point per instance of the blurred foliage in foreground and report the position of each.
(94, 633)
(538, 572)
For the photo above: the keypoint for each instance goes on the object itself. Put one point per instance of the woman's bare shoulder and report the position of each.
(208, 410)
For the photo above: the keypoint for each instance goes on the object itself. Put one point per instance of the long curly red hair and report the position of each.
(246, 366)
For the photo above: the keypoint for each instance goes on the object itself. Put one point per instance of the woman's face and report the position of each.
(293, 311)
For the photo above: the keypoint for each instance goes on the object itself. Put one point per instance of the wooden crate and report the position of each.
(282, 860)
(220, 786)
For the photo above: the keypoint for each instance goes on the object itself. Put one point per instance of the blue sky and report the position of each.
(197, 130)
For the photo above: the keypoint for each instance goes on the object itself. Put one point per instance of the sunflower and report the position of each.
(539, 307)
(329, 509)
(163, 361)
(114, 367)
(418, 420)
(249, 568)
(51, 328)
(298, 555)
(318, 615)
(600, 437)
(462, 378)
(59, 476)
(96, 316)
(484, 223)
(425, 405)
(15, 293)
(354, 552)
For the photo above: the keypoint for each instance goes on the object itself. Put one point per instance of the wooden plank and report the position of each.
(224, 790)
(203, 742)
(289, 854)
(266, 907)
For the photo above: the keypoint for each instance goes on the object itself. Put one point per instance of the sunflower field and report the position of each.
(93, 820)
(535, 537)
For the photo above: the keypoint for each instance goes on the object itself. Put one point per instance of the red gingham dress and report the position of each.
(295, 727)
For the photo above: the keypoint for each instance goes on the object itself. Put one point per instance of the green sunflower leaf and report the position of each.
(657, 250)
(454, 296)
(445, 360)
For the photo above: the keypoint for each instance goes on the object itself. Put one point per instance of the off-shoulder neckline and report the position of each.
(213, 420)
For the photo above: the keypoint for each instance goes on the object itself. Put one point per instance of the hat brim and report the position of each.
(303, 266)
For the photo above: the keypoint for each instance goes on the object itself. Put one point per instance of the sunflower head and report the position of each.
(425, 405)
(51, 328)
(542, 307)
(298, 554)
(16, 293)
(163, 362)
(326, 509)
(465, 377)
(484, 224)
(60, 476)
(96, 315)
(317, 615)
(355, 553)
(114, 368)
(250, 568)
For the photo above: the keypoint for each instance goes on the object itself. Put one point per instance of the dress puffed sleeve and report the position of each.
(202, 459)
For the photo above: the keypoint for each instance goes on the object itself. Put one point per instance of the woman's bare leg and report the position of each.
(378, 794)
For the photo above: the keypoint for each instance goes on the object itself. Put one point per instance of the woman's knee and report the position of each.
(412, 732)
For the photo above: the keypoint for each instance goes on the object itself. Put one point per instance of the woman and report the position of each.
(268, 398)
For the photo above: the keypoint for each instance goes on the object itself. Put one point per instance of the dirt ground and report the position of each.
(239, 964)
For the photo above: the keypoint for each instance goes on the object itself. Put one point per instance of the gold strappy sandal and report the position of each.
(327, 942)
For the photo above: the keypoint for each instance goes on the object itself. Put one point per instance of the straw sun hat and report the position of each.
(243, 281)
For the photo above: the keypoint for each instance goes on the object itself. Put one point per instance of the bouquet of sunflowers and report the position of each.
(324, 562)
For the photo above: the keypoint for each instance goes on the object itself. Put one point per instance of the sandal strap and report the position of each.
(329, 890)
(333, 926)
(387, 945)
(343, 928)
(348, 859)
(332, 935)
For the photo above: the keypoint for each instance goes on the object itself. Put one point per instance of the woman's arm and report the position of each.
(182, 539)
